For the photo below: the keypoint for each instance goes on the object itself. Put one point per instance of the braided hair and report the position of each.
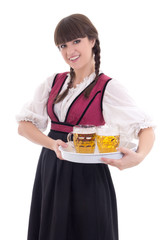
(96, 51)
(73, 27)
(60, 97)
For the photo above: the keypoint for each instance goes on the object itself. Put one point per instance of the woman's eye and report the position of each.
(77, 41)
(62, 46)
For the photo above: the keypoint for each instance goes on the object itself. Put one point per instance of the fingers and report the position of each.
(128, 160)
(109, 161)
(58, 152)
(123, 150)
(61, 143)
(118, 163)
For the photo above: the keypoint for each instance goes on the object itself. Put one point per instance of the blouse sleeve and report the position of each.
(121, 110)
(35, 111)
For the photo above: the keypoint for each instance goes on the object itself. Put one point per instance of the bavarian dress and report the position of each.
(72, 201)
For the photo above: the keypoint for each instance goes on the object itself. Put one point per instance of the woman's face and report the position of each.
(78, 52)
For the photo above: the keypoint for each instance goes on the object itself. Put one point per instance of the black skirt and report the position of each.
(72, 201)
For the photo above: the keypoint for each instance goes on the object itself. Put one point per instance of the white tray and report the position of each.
(70, 154)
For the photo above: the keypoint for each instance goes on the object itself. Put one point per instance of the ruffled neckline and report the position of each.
(86, 81)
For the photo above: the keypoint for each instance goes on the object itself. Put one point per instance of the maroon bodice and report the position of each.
(82, 110)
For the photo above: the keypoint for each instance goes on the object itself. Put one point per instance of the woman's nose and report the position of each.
(70, 50)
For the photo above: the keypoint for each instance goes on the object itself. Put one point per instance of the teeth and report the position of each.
(74, 58)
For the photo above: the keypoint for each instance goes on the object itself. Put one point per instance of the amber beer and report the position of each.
(84, 143)
(84, 138)
(108, 139)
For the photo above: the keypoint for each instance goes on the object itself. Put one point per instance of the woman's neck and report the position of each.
(80, 74)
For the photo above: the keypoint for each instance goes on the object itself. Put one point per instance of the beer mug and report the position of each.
(108, 138)
(84, 138)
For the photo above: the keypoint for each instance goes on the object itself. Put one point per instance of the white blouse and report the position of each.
(118, 107)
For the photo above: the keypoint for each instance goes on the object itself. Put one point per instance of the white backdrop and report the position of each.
(129, 35)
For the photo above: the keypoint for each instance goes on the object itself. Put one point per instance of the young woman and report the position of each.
(77, 200)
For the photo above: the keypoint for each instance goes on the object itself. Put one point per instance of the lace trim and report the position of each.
(86, 81)
(143, 126)
(38, 125)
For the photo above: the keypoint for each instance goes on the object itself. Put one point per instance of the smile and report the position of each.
(73, 58)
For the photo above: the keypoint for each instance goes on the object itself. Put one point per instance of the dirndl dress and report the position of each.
(71, 201)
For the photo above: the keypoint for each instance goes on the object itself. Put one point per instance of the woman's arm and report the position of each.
(146, 140)
(32, 133)
(130, 158)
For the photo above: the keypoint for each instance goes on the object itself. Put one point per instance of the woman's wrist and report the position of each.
(49, 143)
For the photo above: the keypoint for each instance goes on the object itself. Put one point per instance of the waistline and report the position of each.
(62, 127)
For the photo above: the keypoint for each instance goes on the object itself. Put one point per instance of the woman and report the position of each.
(76, 200)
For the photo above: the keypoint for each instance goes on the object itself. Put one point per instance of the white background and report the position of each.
(130, 44)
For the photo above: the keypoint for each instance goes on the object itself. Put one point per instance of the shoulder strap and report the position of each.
(104, 77)
(59, 76)
(107, 79)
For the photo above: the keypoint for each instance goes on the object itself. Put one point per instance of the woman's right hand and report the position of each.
(56, 144)
(32, 133)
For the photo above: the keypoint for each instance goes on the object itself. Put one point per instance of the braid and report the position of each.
(64, 94)
(72, 75)
(96, 51)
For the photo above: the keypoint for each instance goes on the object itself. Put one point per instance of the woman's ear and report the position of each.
(93, 41)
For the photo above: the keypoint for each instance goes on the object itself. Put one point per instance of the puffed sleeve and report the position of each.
(35, 111)
(120, 109)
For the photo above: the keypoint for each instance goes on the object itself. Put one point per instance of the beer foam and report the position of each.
(104, 131)
(85, 130)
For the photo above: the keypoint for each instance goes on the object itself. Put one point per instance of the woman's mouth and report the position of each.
(74, 58)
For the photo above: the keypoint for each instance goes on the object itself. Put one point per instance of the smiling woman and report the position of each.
(77, 200)
(78, 54)
(73, 29)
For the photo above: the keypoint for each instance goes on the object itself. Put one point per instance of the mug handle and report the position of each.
(69, 139)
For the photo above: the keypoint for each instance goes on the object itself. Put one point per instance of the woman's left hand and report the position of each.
(130, 159)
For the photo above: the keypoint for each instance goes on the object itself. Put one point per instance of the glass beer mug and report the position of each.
(108, 138)
(84, 138)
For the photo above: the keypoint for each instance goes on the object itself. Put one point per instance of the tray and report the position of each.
(69, 154)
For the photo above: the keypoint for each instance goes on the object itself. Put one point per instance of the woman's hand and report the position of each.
(130, 159)
(32, 133)
(56, 144)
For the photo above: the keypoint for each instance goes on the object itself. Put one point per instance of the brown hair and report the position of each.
(73, 27)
